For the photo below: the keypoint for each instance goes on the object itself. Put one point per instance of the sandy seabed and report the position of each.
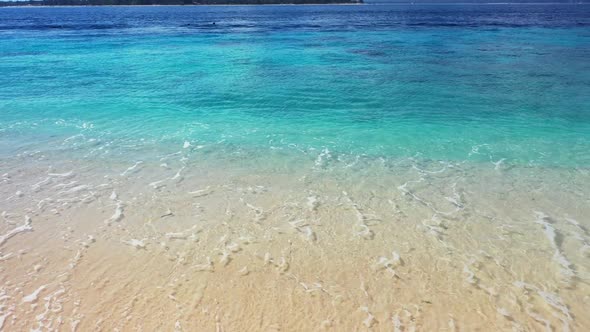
(402, 246)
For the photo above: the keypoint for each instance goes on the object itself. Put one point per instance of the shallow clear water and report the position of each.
(281, 153)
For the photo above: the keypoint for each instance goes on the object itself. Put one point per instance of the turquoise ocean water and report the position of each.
(439, 83)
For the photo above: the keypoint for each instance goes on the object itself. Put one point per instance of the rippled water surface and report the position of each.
(295, 168)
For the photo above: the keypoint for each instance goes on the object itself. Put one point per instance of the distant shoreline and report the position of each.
(120, 3)
(191, 5)
(195, 5)
(308, 4)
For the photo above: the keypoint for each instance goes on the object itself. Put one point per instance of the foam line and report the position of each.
(31, 298)
(205, 267)
(552, 234)
(178, 177)
(158, 184)
(62, 175)
(360, 228)
(132, 169)
(423, 171)
(244, 271)
(201, 192)
(26, 227)
(65, 185)
(137, 244)
(312, 203)
(322, 158)
(74, 190)
(552, 300)
(498, 163)
(117, 215)
(3, 319)
(259, 212)
(40, 184)
(7, 216)
(165, 157)
(404, 189)
(389, 264)
(583, 237)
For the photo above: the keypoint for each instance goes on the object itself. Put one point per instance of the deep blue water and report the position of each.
(268, 19)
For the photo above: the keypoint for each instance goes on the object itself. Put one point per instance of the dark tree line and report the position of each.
(166, 2)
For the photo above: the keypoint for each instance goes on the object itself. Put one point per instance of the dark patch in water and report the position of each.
(64, 27)
(16, 54)
(369, 53)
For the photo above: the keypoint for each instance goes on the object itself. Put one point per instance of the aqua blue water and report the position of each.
(434, 82)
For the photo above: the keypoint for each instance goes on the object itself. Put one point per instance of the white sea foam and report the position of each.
(553, 300)
(158, 184)
(267, 259)
(7, 217)
(74, 190)
(117, 215)
(41, 204)
(313, 203)
(301, 226)
(404, 189)
(207, 266)
(166, 157)
(74, 262)
(178, 177)
(31, 298)
(40, 184)
(323, 158)
(470, 275)
(176, 236)
(201, 192)
(18, 194)
(3, 319)
(225, 258)
(244, 271)
(452, 325)
(389, 264)
(26, 227)
(498, 164)
(132, 169)
(62, 175)
(137, 244)
(259, 212)
(360, 228)
(551, 233)
(582, 236)
(283, 265)
(89, 241)
(65, 185)
(423, 171)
